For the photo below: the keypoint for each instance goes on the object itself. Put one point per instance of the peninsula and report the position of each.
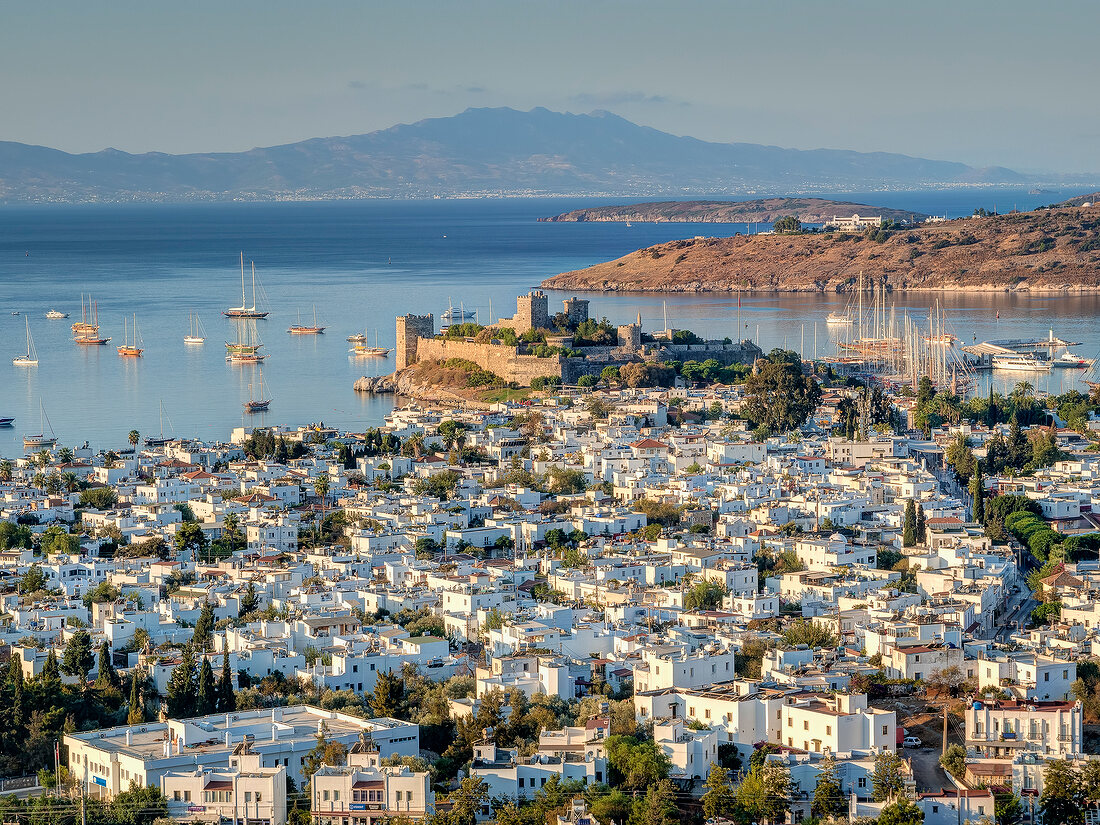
(1054, 249)
(765, 210)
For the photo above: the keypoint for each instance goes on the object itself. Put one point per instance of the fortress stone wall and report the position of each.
(497, 358)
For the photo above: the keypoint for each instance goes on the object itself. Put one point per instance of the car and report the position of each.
(911, 742)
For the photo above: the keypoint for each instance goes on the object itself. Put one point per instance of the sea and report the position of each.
(357, 265)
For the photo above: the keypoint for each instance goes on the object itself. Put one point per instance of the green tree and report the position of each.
(922, 526)
(388, 695)
(1008, 809)
(206, 692)
(226, 698)
(466, 802)
(190, 541)
(1061, 800)
(704, 596)
(902, 812)
(787, 225)
(657, 807)
(136, 713)
(977, 493)
(960, 458)
(777, 395)
(78, 659)
(954, 760)
(33, 580)
(98, 498)
(107, 676)
(809, 633)
(138, 806)
(909, 530)
(718, 799)
(887, 779)
(182, 686)
(640, 764)
(829, 800)
(133, 437)
(763, 793)
(250, 602)
(203, 634)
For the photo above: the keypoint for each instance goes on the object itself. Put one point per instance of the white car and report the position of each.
(911, 742)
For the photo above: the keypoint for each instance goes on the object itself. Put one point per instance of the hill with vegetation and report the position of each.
(766, 210)
(1047, 250)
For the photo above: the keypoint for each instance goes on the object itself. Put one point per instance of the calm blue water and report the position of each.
(359, 264)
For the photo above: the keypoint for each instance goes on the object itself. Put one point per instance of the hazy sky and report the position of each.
(1006, 82)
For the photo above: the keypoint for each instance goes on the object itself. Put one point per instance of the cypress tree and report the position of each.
(137, 707)
(977, 492)
(922, 526)
(15, 669)
(226, 698)
(107, 675)
(51, 671)
(909, 530)
(206, 699)
(181, 687)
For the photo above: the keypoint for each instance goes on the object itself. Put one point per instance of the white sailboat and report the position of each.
(31, 358)
(244, 311)
(40, 440)
(196, 333)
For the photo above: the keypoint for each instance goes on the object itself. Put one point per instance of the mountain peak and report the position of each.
(482, 149)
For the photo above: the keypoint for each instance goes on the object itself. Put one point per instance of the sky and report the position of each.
(987, 83)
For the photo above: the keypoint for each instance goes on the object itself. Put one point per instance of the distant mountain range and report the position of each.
(480, 151)
(767, 210)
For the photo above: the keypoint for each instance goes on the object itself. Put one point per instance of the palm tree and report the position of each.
(5, 470)
(320, 487)
(133, 437)
(1021, 391)
(70, 482)
(415, 444)
(64, 455)
(43, 458)
(38, 481)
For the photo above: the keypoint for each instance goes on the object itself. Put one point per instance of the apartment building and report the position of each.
(1005, 728)
(364, 792)
(248, 792)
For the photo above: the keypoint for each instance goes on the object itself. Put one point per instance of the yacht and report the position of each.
(196, 334)
(55, 315)
(1018, 362)
(456, 315)
(6, 421)
(246, 311)
(838, 319)
(1067, 360)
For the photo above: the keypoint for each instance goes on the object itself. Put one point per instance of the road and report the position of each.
(927, 772)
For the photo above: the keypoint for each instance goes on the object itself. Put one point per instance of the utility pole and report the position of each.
(944, 747)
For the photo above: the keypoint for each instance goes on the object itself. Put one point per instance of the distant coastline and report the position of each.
(765, 210)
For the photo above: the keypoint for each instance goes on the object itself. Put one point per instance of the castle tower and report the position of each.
(410, 329)
(576, 309)
(630, 335)
(532, 311)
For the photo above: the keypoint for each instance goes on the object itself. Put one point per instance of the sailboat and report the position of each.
(255, 405)
(83, 325)
(377, 351)
(88, 333)
(162, 439)
(31, 358)
(128, 350)
(457, 314)
(196, 333)
(246, 311)
(299, 329)
(40, 440)
(246, 350)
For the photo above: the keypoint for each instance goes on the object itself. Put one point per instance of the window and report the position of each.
(885, 729)
(862, 782)
(1046, 675)
(706, 713)
(828, 730)
(326, 796)
(805, 724)
(187, 796)
(790, 722)
(247, 796)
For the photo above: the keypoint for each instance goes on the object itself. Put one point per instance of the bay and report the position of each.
(360, 264)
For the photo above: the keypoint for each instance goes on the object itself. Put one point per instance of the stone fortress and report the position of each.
(417, 340)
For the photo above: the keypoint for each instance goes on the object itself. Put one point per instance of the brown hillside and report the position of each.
(1045, 250)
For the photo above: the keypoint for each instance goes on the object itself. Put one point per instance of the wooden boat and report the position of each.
(255, 405)
(31, 358)
(375, 351)
(304, 329)
(246, 350)
(88, 334)
(84, 325)
(244, 311)
(128, 350)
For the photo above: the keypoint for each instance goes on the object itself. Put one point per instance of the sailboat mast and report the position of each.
(242, 279)
(253, 285)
